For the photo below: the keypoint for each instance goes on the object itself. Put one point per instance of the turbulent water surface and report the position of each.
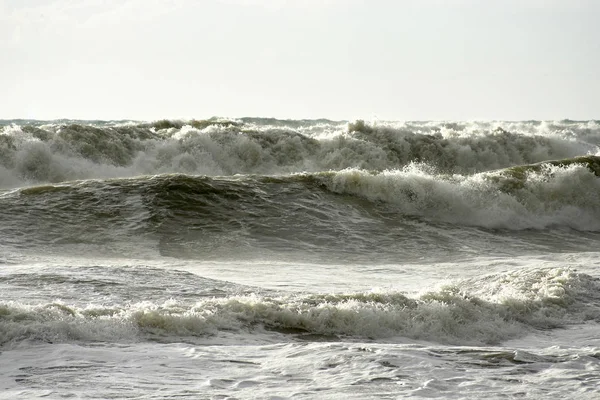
(262, 258)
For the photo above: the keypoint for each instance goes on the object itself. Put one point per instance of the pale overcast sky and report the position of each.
(337, 59)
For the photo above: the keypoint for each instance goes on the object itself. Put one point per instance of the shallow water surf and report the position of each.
(258, 258)
(485, 310)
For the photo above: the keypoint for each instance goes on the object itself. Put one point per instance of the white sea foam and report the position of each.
(52, 153)
(554, 196)
(487, 310)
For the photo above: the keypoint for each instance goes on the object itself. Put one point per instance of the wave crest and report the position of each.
(557, 193)
(488, 310)
(75, 150)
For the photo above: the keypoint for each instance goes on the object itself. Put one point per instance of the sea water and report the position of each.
(312, 259)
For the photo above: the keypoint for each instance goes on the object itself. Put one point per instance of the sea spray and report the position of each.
(53, 152)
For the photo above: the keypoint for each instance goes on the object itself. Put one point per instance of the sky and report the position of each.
(336, 59)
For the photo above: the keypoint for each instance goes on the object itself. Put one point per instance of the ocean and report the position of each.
(307, 259)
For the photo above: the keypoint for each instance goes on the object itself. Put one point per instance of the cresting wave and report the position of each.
(321, 206)
(50, 152)
(560, 193)
(489, 310)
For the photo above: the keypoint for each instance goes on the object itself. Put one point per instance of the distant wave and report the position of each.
(487, 310)
(51, 152)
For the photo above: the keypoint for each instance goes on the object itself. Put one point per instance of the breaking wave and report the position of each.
(558, 193)
(55, 151)
(317, 205)
(487, 310)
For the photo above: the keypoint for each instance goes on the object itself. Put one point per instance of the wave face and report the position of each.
(249, 188)
(485, 310)
(34, 152)
(342, 215)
